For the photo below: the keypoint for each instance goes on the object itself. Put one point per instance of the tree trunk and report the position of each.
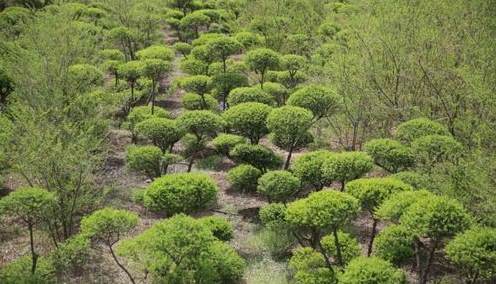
(427, 270)
(343, 184)
(372, 236)
(338, 248)
(34, 256)
(288, 159)
(120, 265)
(190, 164)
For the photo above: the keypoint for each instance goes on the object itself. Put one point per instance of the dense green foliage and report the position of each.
(385, 108)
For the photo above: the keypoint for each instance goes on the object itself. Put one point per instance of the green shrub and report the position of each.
(432, 149)
(256, 155)
(198, 84)
(321, 101)
(249, 94)
(192, 101)
(346, 166)
(348, 245)
(371, 270)
(272, 214)
(144, 159)
(248, 119)
(18, 271)
(224, 143)
(187, 250)
(416, 180)
(142, 113)
(420, 127)
(201, 123)
(162, 132)
(396, 205)
(390, 155)
(474, 253)
(72, 255)
(244, 178)
(248, 39)
(261, 60)
(220, 227)
(183, 48)
(156, 52)
(308, 167)
(394, 243)
(278, 186)
(178, 193)
(309, 267)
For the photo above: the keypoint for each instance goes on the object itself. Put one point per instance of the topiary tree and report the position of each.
(142, 113)
(156, 52)
(372, 192)
(390, 154)
(278, 92)
(162, 132)
(261, 60)
(248, 39)
(193, 66)
(248, 119)
(145, 159)
(155, 70)
(289, 126)
(131, 71)
(416, 128)
(346, 166)
(180, 193)
(219, 226)
(202, 124)
(278, 186)
(309, 267)
(435, 219)
(371, 270)
(415, 179)
(395, 244)
(319, 213)
(107, 226)
(397, 204)
(249, 94)
(350, 248)
(192, 101)
(183, 48)
(256, 155)
(222, 48)
(224, 83)
(321, 101)
(308, 168)
(187, 250)
(224, 143)
(30, 206)
(85, 76)
(244, 178)
(473, 254)
(293, 64)
(433, 149)
(194, 22)
(199, 84)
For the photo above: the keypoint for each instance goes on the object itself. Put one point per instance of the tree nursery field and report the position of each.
(248, 141)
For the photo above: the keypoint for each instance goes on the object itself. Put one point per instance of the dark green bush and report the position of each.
(144, 159)
(416, 128)
(256, 155)
(224, 143)
(249, 94)
(220, 227)
(244, 178)
(278, 186)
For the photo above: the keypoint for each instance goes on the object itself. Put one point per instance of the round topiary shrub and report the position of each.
(144, 159)
(141, 113)
(226, 142)
(371, 270)
(256, 155)
(419, 127)
(390, 154)
(308, 167)
(244, 178)
(394, 244)
(249, 94)
(220, 227)
(248, 119)
(432, 149)
(346, 166)
(192, 101)
(180, 193)
(348, 245)
(321, 101)
(278, 186)
(162, 132)
(272, 214)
